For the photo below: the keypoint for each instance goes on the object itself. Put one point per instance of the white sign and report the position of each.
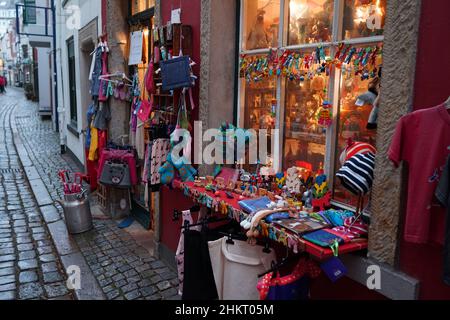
(136, 47)
(176, 16)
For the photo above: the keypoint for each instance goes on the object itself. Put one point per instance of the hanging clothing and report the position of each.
(103, 90)
(236, 268)
(198, 282)
(140, 139)
(443, 195)
(179, 256)
(293, 287)
(96, 73)
(160, 150)
(102, 116)
(422, 139)
(93, 149)
(90, 116)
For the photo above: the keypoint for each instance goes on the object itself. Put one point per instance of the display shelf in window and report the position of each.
(310, 21)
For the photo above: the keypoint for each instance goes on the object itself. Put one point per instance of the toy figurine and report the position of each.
(209, 180)
(231, 185)
(307, 199)
(220, 182)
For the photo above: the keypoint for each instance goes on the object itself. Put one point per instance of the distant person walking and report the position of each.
(2, 84)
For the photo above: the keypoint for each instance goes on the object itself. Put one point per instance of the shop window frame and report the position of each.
(334, 85)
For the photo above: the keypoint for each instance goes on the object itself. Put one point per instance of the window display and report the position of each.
(356, 105)
(260, 104)
(261, 24)
(364, 18)
(310, 21)
(332, 84)
(304, 136)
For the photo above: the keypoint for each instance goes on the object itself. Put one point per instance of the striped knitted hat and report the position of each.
(356, 174)
(355, 148)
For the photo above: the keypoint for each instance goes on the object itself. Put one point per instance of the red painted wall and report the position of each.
(170, 199)
(432, 87)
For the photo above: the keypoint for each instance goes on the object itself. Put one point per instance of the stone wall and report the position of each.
(117, 29)
(400, 51)
(218, 62)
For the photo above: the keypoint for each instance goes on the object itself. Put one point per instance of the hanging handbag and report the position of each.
(116, 174)
(176, 73)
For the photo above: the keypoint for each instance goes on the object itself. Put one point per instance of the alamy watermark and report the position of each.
(74, 278)
(214, 146)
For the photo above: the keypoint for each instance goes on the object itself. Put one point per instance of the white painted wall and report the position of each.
(89, 10)
(45, 81)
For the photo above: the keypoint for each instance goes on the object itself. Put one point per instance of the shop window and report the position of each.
(304, 138)
(310, 21)
(356, 105)
(363, 18)
(290, 94)
(141, 5)
(260, 105)
(261, 24)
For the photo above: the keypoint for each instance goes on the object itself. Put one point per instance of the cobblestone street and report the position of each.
(31, 264)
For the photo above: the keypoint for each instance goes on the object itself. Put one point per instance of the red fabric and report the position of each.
(145, 110)
(91, 167)
(303, 268)
(2, 81)
(122, 155)
(309, 247)
(102, 140)
(101, 96)
(422, 139)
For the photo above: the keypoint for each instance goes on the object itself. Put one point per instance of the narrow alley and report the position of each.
(35, 249)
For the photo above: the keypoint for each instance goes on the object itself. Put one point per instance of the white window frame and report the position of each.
(334, 83)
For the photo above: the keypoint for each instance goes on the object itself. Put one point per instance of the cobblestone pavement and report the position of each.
(123, 269)
(29, 265)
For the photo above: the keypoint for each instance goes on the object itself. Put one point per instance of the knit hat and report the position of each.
(356, 174)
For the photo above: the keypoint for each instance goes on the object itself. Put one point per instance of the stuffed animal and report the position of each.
(258, 37)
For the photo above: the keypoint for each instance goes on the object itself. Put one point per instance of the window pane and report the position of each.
(304, 139)
(260, 24)
(310, 21)
(364, 18)
(356, 104)
(260, 104)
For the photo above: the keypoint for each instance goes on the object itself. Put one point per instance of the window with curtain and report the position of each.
(301, 57)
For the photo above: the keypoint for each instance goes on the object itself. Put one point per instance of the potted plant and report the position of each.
(29, 91)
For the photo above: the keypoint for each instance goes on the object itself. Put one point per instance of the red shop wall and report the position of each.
(432, 87)
(171, 199)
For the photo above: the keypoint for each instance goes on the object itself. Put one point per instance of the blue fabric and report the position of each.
(277, 216)
(95, 84)
(298, 290)
(126, 223)
(337, 218)
(254, 205)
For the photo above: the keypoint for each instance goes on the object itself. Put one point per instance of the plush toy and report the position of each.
(258, 37)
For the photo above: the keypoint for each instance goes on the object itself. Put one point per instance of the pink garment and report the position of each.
(122, 155)
(179, 256)
(422, 139)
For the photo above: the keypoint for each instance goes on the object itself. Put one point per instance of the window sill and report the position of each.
(72, 128)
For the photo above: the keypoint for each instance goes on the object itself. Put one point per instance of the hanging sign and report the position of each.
(136, 47)
(176, 16)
